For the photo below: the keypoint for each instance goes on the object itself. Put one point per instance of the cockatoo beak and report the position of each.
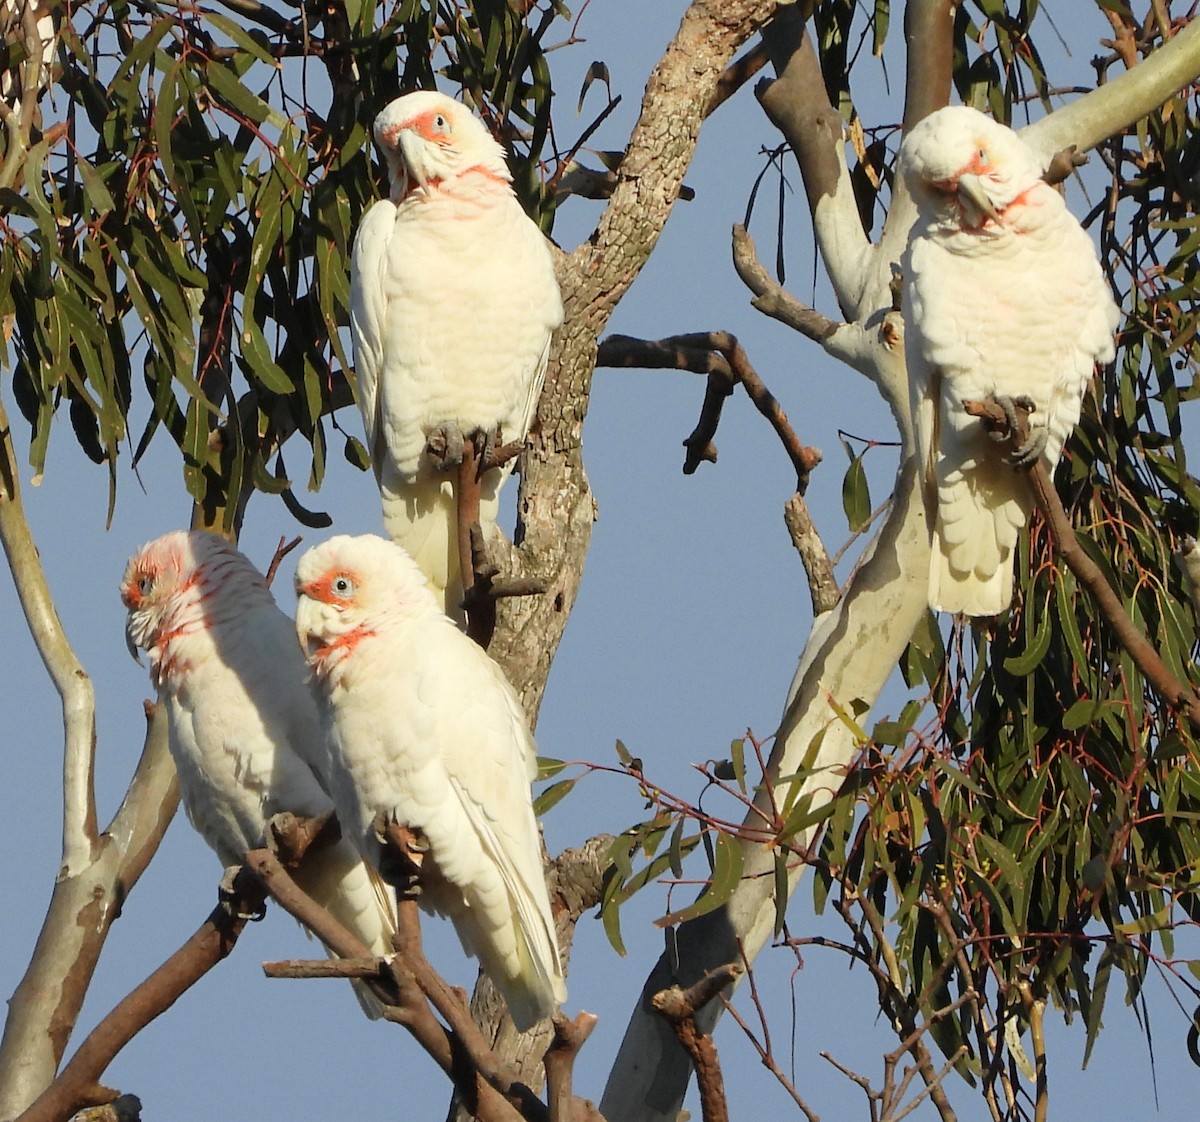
(129, 641)
(972, 193)
(412, 152)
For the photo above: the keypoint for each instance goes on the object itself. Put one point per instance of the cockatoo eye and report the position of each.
(983, 156)
(342, 587)
(145, 586)
(441, 124)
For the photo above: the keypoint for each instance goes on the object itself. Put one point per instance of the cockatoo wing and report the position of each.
(368, 312)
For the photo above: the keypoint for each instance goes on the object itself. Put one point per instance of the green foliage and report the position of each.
(192, 217)
(1034, 817)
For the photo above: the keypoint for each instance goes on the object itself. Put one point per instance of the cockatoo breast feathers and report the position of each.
(431, 140)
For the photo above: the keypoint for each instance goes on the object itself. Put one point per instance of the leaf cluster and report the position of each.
(185, 230)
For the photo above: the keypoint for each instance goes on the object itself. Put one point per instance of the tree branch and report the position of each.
(679, 1008)
(555, 505)
(78, 1086)
(797, 104)
(79, 831)
(488, 1087)
(929, 38)
(719, 355)
(1116, 105)
(771, 298)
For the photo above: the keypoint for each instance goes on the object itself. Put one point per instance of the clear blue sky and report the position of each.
(693, 612)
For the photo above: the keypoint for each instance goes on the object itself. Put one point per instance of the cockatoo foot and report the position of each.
(290, 837)
(492, 451)
(231, 897)
(403, 858)
(1029, 451)
(445, 446)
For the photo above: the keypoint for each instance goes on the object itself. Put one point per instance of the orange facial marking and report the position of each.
(322, 588)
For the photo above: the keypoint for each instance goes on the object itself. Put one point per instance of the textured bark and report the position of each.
(555, 508)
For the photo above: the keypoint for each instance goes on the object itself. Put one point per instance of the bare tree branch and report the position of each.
(78, 1085)
(771, 298)
(798, 105)
(98, 871)
(719, 355)
(66, 672)
(679, 1007)
(555, 504)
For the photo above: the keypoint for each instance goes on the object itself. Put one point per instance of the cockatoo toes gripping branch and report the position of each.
(1004, 300)
(243, 724)
(425, 734)
(453, 303)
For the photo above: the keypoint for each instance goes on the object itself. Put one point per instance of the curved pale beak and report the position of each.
(971, 191)
(130, 642)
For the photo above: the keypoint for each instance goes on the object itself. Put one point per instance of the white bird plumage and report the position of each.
(243, 725)
(453, 302)
(1003, 296)
(424, 729)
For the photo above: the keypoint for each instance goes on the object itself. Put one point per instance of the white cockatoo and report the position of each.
(243, 724)
(1003, 297)
(424, 729)
(452, 303)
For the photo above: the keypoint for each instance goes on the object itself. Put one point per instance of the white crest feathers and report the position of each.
(425, 729)
(1003, 296)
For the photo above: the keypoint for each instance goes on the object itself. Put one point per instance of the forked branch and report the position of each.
(719, 355)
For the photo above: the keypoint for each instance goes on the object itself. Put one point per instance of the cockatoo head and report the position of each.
(169, 584)
(961, 165)
(431, 139)
(349, 588)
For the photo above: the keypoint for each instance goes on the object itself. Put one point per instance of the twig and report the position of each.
(736, 75)
(1178, 695)
(281, 551)
(763, 1048)
(569, 1038)
(325, 968)
(407, 1004)
(679, 1007)
(770, 297)
(822, 583)
(719, 355)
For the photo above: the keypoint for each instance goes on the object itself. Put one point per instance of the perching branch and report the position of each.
(1176, 693)
(487, 1086)
(719, 355)
(569, 1037)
